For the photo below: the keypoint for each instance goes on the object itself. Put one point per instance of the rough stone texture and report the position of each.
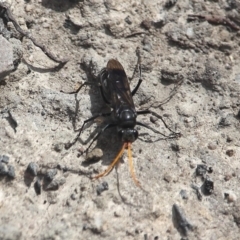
(191, 77)
(95, 155)
(6, 53)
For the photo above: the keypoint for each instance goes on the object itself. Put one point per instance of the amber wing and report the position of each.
(121, 93)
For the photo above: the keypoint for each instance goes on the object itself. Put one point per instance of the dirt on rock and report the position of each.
(190, 60)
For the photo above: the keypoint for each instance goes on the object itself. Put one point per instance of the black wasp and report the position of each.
(115, 91)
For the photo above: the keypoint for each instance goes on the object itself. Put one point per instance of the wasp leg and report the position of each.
(154, 130)
(143, 112)
(98, 135)
(80, 87)
(114, 162)
(158, 116)
(140, 72)
(136, 88)
(81, 129)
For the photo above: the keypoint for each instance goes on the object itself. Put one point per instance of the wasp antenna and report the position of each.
(138, 53)
(131, 165)
(114, 162)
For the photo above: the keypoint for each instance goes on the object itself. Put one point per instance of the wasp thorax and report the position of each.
(127, 118)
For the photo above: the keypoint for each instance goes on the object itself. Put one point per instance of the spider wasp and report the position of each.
(115, 90)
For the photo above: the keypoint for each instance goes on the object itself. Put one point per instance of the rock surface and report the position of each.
(191, 77)
(6, 53)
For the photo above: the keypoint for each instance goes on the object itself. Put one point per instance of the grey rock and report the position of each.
(73, 196)
(230, 196)
(184, 194)
(171, 74)
(3, 169)
(236, 212)
(95, 155)
(17, 50)
(6, 53)
(102, 187)
(55, 183)
(237, 77)
(11, 171)
(33, 168)
(37, 187)
(51, 173)
(180, 221)
(4, 159)
(227, 120)
(3, 30)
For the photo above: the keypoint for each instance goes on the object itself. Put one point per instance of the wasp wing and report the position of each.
(121, 93)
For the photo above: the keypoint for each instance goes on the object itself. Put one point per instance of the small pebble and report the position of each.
(180, 220)
(197, 189)
(230, 152)
(85, 227)
(183, 194)
(212, 146)
(208, 186)
(102, 187)
(56, 183)
(146, 24)
(52, 197)
(227, 176)
(116, 214)
(192, 165)
(45, 25)
(201, 170)
(238, 114)
(51, 173)
(170, 3)
(58, 147)
(153, 119)
(3, 169)
(95, 155)
(33, 168)
(190, 32)
(175, 147)
(225, 121)
(29, 8)
(73, 196)
(11, 171)
(167, 178)
(156, 214)
(210, 170)
(229, 139)
(37, 187)
(128, 20)
(4, 159)
(231, 197)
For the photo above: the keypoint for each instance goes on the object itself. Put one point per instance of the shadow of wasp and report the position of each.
(116, 93)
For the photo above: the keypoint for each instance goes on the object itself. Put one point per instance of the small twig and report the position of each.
(215, 19)
(135, 34)
(74, 170)
(8, 14)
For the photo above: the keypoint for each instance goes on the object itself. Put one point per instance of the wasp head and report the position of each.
(128, 134)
